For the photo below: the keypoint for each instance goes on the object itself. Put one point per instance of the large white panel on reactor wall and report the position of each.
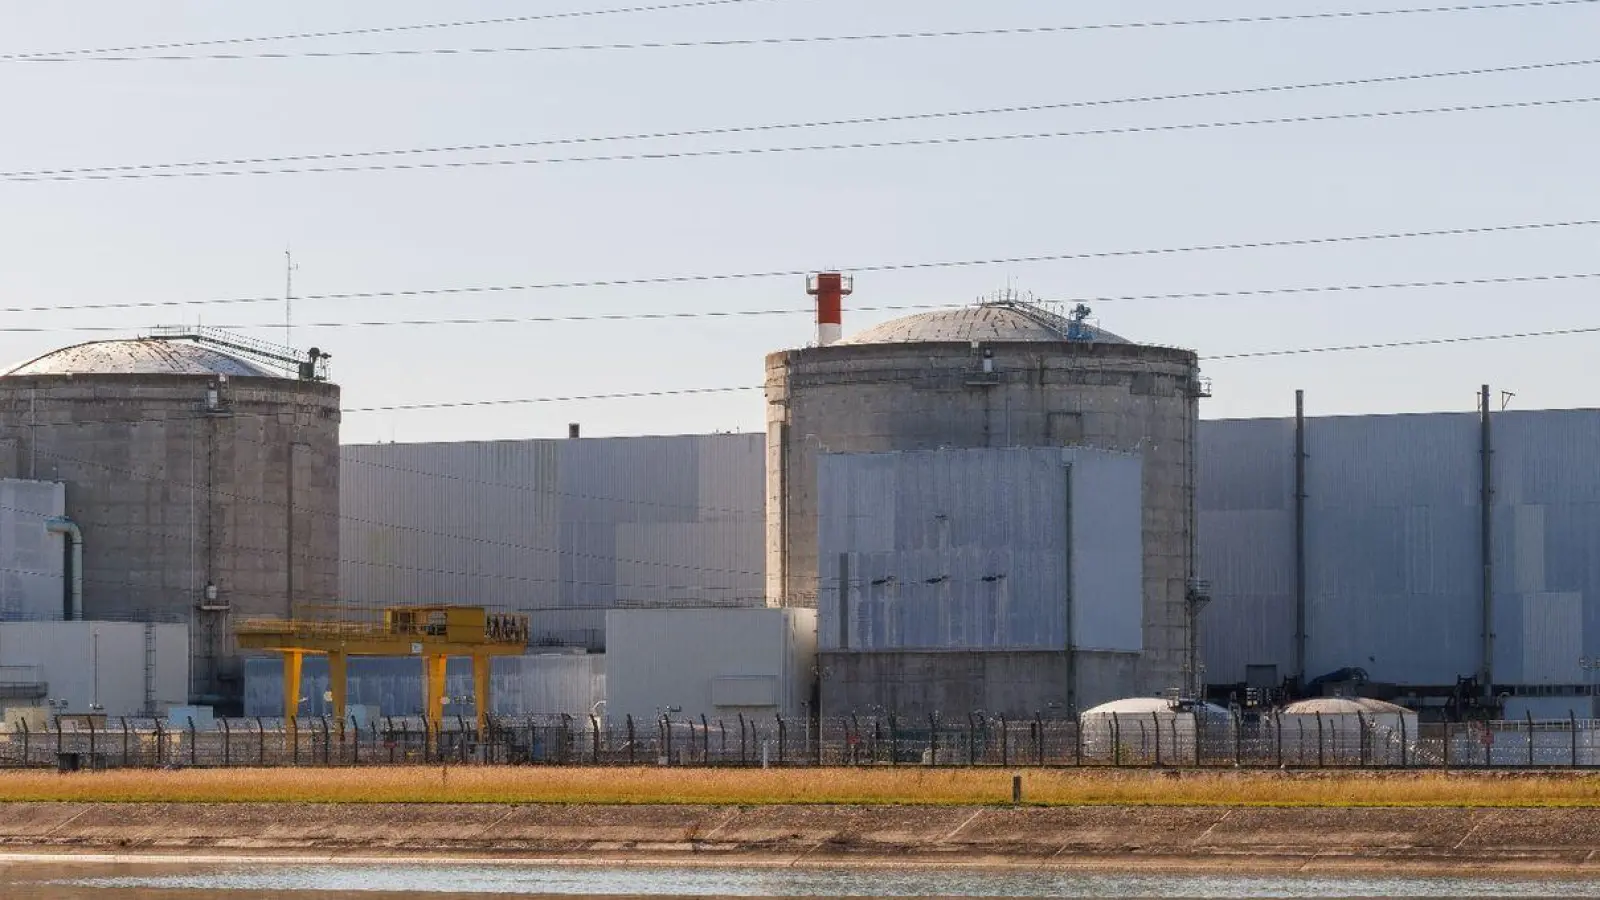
(981, 549)
(32, 563)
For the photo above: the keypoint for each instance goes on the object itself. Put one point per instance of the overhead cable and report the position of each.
(718, 152)
(791, 40)
(685, 392)
(1249, 354)
(379, 30)
(817, 123)
(661, 280)
(1419, 342)
(887, 307)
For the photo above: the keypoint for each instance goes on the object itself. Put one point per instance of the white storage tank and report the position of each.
(1346, 731)
(1151, 730)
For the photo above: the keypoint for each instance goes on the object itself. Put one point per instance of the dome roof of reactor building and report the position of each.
(142, 356)
(1009, 320)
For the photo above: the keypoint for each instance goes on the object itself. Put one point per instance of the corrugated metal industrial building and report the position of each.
(562, 529)
(1393, 563)
(1032, 558)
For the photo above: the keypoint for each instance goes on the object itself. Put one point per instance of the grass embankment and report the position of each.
(745, 787)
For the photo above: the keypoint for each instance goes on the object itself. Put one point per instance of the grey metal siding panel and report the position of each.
(1393, 562)
(1107, 551)
(1547, 529)
(563, 529)
(965, 549)
(1245, 495)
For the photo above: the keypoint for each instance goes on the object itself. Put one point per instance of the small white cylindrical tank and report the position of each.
(1346, 731)
(1150, 730)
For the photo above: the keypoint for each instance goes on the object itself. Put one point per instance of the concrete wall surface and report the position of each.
(109, 663)
(954, 684)
(32, 560)
(560, 529)
(712, 662)
(981, 549)
(1394, 562)
(537, 684)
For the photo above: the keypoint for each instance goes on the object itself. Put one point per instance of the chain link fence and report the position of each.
(1125, 741)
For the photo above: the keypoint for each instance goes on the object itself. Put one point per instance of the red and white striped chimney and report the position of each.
(830, 289)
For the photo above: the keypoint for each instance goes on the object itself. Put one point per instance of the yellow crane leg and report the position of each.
(433, 683)
(291, 687)
(480, 692)
(339, 686)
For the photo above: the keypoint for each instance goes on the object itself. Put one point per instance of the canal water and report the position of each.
(441, 881)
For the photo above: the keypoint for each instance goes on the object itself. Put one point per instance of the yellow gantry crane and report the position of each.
(433, 633)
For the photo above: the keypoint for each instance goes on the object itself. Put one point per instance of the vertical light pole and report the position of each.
(94, 693)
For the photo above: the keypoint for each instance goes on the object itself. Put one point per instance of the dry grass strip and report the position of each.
(751, 787)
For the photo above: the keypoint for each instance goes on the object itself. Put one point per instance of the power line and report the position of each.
(794, 40)
(1255, 354)
(891, 307)
(721, 152)
(344, 458)
(662, 280)
(1418, 342)
(378, 30)
(572, 398)
(819, 123)
(138, 476)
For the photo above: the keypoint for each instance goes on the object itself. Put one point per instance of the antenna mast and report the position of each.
(288, 298)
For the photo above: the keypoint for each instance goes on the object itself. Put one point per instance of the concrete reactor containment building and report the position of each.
(1002, 376)
(201, 473)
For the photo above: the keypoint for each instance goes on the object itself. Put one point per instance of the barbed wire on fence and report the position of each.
(1126, 741)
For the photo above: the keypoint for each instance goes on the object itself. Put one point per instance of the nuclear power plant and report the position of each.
(998, 508)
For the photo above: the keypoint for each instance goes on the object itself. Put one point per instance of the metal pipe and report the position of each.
(784, 502)
(288, 555)
(74, 535)
(1300, 538)
(844, 601)
(1486, 501)
(1072, 655)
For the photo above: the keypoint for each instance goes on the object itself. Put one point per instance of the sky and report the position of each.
(179, 241)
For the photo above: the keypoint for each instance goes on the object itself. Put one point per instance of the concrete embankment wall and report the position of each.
(1547, 841)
